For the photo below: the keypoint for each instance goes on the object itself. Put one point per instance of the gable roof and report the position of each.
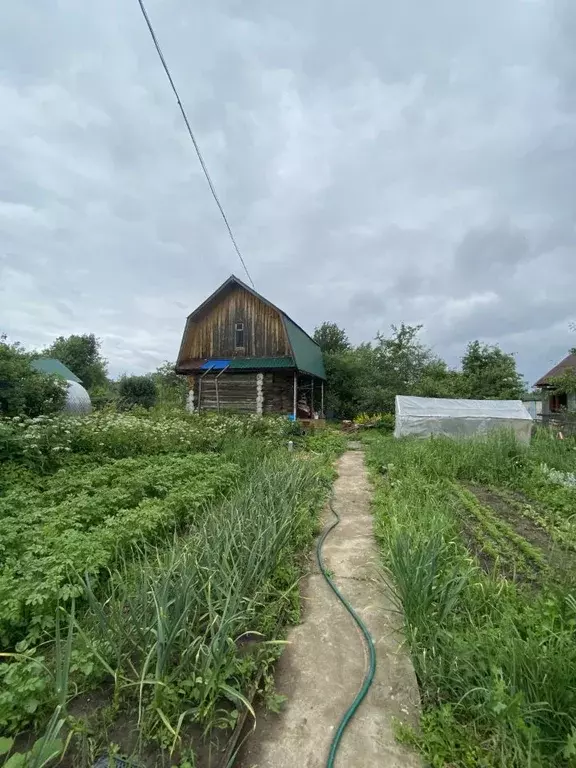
(55, 367)
(568, 363)
(306, 353)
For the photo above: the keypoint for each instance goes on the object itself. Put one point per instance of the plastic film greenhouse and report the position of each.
(425, 416)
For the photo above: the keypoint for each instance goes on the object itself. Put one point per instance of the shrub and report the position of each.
(23, 390)
(137, 390)
(383, 421)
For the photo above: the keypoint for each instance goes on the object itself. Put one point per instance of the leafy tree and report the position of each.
(82, 354)
(565, 383)
(24, 390)
(398, 364)
(171, 386)
(137, 390)
(437, 380)
(342, 390)
(490, 373)
(331, 338)
(368, 377)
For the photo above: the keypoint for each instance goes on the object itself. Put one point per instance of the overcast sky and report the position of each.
(379, 161)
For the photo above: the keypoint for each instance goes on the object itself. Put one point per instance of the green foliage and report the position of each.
(24, 390)
(368, 377)
(137, 390)
(47, 443)
(329, 443)
(565, 383)
(342, 393)
(491, 373)
(82, 355)
(495, 660)
(174, 543)
(80, 520)
(382, 421)
(171, 386)
(204, 611)
(331, 338)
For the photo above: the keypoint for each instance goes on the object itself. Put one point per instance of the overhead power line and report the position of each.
(196, 147)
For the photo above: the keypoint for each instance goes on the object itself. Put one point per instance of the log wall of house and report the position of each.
(213, 333)
(236, 392)
(239, 392)
(278, 393)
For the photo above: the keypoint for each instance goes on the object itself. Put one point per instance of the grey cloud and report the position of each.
(405, 162)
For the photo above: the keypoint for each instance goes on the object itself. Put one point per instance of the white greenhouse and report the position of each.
(425, 416)
(77, 398)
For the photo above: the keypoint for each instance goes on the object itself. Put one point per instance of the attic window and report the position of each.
(239, 335)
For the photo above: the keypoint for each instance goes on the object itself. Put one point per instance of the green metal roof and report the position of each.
(307, 353)
(55, 367)
(261, 362)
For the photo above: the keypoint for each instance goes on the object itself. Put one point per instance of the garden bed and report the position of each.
(146, 582)
(475, 538)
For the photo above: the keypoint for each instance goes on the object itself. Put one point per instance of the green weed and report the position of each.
(496, 662)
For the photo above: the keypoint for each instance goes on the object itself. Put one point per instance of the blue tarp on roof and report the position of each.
(214, 365)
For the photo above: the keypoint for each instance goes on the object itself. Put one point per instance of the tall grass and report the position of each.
(496, 663)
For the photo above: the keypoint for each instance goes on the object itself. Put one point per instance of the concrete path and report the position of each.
(322, 668)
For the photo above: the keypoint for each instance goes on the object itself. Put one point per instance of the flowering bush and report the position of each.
(40, 442)
(45, 442)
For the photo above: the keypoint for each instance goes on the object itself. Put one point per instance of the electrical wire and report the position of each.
(369, 676)
(194, 142)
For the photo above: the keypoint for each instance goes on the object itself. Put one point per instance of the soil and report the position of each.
(92, 708)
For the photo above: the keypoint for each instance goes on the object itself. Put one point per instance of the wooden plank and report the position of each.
(212, 335)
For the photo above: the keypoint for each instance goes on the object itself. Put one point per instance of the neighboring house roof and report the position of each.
(55, 367)
(569, 363)
(306, 354)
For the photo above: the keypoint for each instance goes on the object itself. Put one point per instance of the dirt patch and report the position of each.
(98, 728)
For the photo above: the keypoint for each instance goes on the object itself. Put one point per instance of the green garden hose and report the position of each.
(369, 676)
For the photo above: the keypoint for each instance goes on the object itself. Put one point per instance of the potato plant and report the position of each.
(170, 547)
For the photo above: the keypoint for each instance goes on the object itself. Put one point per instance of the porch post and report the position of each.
(312, 399)
(322, 398)
(295, 394)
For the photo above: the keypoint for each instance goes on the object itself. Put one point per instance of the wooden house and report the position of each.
(553, 400)
(242, 353)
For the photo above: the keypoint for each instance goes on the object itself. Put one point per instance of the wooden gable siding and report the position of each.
(213, 333)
